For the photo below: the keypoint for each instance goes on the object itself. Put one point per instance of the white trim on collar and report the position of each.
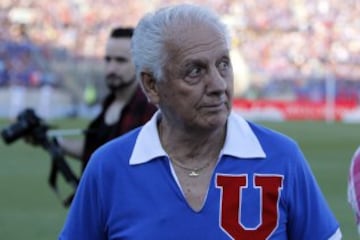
(240, 141)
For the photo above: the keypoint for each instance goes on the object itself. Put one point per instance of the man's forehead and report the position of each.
(201, 51)
(119, 43)
(118, 46)
(196, 36)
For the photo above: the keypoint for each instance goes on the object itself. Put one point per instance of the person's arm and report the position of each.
(71, 147)
(310, 216)
(353, 187)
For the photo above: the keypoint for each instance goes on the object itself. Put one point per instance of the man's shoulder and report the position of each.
(121, 145)
(270, 135)
(275, 143)
(125, 139)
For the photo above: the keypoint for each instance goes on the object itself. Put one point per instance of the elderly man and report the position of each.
(196, 170)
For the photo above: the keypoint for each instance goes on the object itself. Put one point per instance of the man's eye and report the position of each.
(223, 65)
(194, 72)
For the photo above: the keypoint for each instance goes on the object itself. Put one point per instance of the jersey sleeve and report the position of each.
(309, 214)
(84, 220)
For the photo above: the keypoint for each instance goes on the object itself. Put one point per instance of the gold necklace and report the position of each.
(193, 172)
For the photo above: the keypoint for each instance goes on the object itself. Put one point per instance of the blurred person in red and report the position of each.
(354, 186)
(124, 108)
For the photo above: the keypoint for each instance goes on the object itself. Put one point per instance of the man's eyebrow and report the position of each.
(193, 61)
(117, 58)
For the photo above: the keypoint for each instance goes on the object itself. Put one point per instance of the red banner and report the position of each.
(296, 110)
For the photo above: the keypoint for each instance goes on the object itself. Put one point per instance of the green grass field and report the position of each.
(30, 210)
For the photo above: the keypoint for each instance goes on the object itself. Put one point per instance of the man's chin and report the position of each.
(115, 88)
(119, 87)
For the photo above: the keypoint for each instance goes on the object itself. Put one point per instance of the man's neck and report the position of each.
(122, 97)
(125, 94)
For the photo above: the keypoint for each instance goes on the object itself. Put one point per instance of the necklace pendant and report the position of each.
(193, 173)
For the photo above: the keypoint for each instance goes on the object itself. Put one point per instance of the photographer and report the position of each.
(125, 107)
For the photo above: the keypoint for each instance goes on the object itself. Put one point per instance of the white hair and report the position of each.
(157, 28)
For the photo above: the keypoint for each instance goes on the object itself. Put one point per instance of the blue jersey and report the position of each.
(262, 188)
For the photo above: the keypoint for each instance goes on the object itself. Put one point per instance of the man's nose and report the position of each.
(216, 82)
(111, 65)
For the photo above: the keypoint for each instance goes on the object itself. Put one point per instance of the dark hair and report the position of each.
(120, 32)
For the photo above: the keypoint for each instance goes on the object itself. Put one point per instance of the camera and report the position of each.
(32, 127)
(27, 123)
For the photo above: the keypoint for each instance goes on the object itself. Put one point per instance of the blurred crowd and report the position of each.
(287, 48)
(300, 45)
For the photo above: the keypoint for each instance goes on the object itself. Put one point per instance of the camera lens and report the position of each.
(13, 132)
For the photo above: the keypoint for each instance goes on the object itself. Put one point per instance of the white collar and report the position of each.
(240, 141)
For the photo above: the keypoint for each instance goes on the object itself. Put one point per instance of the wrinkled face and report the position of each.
(119, 69)
(197, 88)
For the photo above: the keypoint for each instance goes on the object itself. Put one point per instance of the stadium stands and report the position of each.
(289, 47)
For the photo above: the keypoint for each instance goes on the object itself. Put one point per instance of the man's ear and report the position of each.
(150, 87)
